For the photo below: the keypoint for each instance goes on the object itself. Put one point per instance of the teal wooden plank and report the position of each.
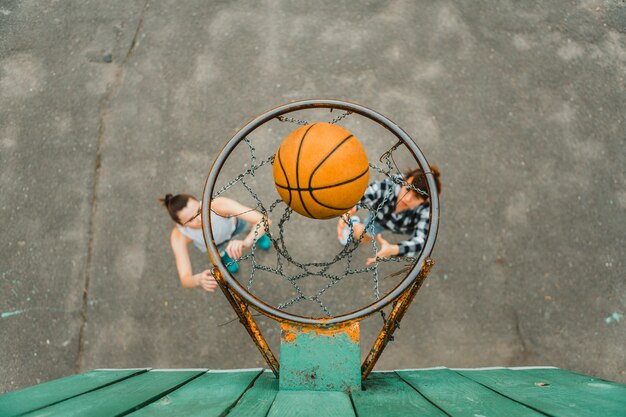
(211, 394)
(311, 404)
(386, 394)
(42, 395)
(122, 397)
(257, 401)
(459, 396)
(555, 391)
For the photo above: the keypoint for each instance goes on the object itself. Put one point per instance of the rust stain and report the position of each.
(395, 316)
(290, 331)
(353, 332)
(288, 336)
(245, 317)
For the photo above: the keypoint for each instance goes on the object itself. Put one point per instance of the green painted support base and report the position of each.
(315, 359)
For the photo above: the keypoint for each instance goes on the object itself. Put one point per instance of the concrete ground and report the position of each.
(107, 106)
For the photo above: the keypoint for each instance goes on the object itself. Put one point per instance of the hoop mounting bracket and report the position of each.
(393, 320)
(248, 322)
(320, 359)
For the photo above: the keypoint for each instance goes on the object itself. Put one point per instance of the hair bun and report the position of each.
(166, 200)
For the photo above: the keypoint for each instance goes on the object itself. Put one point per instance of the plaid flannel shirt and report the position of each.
(414, 222)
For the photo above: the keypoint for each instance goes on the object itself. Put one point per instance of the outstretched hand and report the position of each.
(206, 280)
(385, 250)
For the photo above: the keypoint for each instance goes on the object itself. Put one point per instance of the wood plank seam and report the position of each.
(270, 407)
(250, 385)
(139, 371)
(248, 397)
(352, 402)
(261, 380)
(567, 392)
(423, 395)
(504, 395)
(158, 396)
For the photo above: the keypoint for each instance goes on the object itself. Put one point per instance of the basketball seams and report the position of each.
(328, 156)
(325, 143)
(342, 209)
(311, 192)
(323, 187)
(280, 162)
(297, 170)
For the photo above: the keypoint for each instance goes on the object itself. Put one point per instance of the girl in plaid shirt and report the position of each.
(397, 209)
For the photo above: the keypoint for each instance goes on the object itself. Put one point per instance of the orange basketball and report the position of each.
(321, 170)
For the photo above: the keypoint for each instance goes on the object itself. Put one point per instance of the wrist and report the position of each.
(391, 250)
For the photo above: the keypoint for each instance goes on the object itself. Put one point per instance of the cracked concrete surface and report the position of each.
(105, 107)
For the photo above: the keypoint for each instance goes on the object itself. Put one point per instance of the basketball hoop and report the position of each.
(241, 296)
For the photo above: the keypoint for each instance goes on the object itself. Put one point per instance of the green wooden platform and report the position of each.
(253, 392)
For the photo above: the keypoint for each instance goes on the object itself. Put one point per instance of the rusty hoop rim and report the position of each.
(272, 311)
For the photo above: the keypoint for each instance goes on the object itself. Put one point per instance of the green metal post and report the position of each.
(320, 359)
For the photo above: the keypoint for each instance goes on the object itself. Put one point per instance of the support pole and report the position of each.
(393, 320)
(314, 358)
(248, 322)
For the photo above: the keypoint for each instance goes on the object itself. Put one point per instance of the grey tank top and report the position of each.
(223, 229)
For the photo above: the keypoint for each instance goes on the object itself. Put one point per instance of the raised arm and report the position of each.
(228, 207)
(410, 247)
(180, 247)
(373, 195)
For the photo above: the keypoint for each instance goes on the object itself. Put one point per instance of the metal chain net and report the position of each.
(315, 269)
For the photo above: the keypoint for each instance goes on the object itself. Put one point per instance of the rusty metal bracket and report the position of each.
(393, 320)
(245, 318)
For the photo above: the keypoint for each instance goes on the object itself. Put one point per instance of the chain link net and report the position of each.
(307, 270)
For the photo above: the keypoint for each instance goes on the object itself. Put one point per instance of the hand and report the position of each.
(340, 226)
(385, 250)
(206, 280)
(235, 248)
(343, 222)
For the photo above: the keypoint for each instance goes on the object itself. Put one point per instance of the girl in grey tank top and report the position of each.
(223, 230)
(233, 219)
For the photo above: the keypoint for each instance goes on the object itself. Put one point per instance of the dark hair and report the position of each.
(419, 179)
(175, 203)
